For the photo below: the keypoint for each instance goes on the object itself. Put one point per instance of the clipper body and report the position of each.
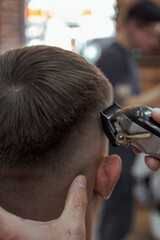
(132, 126)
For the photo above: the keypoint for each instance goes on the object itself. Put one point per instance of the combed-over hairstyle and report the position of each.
(44, 92)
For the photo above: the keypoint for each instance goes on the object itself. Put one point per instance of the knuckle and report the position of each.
(77, 234)
(81, 204)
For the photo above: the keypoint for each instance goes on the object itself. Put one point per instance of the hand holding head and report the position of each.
(70, 225)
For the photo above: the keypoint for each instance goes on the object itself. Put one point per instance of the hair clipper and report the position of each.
(132, 126)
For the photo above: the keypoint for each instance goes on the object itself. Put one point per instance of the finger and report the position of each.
(152, 163)
(136, 150)
(6, 216)
(156, 114)
(8, 224)
(76, 202)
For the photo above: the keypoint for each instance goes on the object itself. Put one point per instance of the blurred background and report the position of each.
(85, 27)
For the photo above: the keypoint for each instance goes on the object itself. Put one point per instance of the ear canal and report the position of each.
(108, 175)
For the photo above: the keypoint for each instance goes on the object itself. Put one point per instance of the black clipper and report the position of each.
(132, 126)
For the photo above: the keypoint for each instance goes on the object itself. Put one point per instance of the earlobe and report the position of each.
(107, 175)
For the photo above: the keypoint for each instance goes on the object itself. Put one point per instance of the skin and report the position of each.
(72, 220)
(133, 36)
(70, 225)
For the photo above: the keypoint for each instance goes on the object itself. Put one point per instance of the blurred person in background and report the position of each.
(118, 64)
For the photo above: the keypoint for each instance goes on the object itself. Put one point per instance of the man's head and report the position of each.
(46, 94)
(141, 24)
(50, 104)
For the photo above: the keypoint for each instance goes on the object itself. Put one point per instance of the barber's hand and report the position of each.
(151, 162)
(70, 225)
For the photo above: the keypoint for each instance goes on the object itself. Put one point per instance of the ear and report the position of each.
(107, 176)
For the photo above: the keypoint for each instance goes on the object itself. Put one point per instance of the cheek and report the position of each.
(141, 39)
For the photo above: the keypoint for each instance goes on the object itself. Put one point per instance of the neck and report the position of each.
(124, 39)
(32, 201)
(39, 193)
(35, 199)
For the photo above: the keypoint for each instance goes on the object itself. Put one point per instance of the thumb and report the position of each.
(76, 202)
(8, 224)
(156, 114)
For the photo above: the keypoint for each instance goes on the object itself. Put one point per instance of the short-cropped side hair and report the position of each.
(44, 92)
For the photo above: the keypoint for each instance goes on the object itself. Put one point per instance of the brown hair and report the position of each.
(44, 92)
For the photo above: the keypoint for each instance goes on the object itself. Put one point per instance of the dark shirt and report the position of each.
(120, 67)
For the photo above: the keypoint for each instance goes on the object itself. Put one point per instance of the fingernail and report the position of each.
(156, 110)
(81, 182)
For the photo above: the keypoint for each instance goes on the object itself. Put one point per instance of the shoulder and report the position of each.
(113, 53)
(115, 47)
(112, 57)
(113, 63)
